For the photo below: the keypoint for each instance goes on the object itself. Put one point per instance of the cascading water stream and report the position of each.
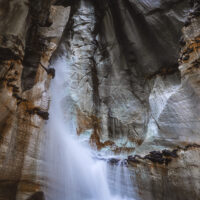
(72, 171)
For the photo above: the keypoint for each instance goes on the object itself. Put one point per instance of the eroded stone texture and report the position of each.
(175, 122)
(130, 92)
(23, 113)
(179, 179)
(13, 26)
(119, 53)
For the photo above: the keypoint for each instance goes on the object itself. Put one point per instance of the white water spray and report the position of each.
(72, 171)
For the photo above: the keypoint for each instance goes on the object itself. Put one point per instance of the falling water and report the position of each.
(73, 172)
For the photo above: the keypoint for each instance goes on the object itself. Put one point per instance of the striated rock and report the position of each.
(125, 72)
(13, 28)
(26, 41)
(129, 92)
(113, 82)
(175, 112)
(179, 179)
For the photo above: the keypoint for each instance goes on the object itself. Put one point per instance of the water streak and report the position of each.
(73, 172)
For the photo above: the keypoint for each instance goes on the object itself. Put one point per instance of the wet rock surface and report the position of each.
(125, 76)
(134, 84)
(29, 33)
(179, 179)
(133, 77)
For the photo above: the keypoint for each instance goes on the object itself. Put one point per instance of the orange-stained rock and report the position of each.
(23, 113)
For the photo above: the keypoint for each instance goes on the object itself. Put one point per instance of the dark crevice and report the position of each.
(35, 45)
(37, 196)
(95, 83)
(161, 157)
(43, 114)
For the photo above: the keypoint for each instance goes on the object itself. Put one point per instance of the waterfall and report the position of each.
(120, 182)
(72, 171)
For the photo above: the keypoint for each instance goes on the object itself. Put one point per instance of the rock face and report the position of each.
(29, 33)
(131, 92)
(133, 80)
(124, 76)
(176, 179)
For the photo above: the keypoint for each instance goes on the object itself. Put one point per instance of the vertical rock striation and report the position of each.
(123, 58)
(175, 111)
(130, 91)
(30, 33)
(133, 94)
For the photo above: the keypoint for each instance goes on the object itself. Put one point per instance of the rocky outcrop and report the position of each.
(30, 33)
(179, 179)
(132, 93)
(123, 68)
(175, 111)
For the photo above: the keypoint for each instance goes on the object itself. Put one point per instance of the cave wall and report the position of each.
(133, 80)
(124, 73)
(29, 34)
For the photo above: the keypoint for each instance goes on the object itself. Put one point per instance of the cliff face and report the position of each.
(124, 73)
(29, 33)
(177, 170)
(133, 80)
